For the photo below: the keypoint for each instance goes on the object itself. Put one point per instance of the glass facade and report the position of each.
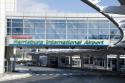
(63, 28)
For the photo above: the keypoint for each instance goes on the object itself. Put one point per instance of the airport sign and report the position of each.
(41, 42)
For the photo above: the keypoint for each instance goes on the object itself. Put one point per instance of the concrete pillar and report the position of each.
(93, 60)
(9, 53)
(2, 35)
(71, 62)
(124, 61)
(111, 63)
(82, 61)
(59, 61)
(48, 60)
(14, 56)
(106, 62)
(89, 59)
(118, 63)
(96, 61)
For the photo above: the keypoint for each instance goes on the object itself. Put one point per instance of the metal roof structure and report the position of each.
(107, 13)
(122, 2)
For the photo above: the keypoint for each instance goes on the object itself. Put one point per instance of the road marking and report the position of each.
(43, 74)
(70, 74)
(57, 74)
(51, 74)
(37, 74)
(64, 74)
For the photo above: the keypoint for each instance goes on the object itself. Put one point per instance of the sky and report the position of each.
(66, 6)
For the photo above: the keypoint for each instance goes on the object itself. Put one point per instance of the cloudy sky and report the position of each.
(58, 5)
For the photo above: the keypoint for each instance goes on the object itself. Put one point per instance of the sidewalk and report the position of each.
(13, 76)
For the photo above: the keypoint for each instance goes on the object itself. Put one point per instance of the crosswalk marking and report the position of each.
(51, 74)
(37, 74)
(57, 74)
(70, 73)
(43, 74)
(64, 74)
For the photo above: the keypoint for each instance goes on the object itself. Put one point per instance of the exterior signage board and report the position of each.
(43, 42)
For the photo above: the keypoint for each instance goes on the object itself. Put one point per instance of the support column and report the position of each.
(118, 63)
(59, 61)
(106, 63)
(93, 60)
(71, 63)
(9, 53)
(82, 61)
(14, 56)
(89, 60)
(124, 61)
(2, 35)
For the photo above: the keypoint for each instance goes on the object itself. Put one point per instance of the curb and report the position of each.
(8, 77)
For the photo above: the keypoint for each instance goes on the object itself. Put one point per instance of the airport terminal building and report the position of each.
(54, 30)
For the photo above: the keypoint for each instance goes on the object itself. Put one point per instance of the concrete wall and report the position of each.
(5, 6)
(11, 5)
(2, 35)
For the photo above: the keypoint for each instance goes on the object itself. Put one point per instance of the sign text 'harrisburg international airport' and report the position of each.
(39, 42)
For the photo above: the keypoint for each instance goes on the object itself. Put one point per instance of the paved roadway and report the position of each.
(52, 75)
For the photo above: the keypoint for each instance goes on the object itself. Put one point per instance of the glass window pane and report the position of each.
(104, 31)
(72, 25)
(72, 36)
(93, 31)
(8, 20)
(103, 36)
(29, 30)
(9, 24)
(38, 36)
(115, 36)
(93, 36)
(34, 20)
(56, 36)
(82, 36)
(56, 21)
(8, 30)
(77, 25)
(42, 25)
(56, 31)
(56, 27)
(40, 30)
(29, 25)
(17, 20)
(82, 31)
(17, 24)
(17, 30)
(76, 21)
